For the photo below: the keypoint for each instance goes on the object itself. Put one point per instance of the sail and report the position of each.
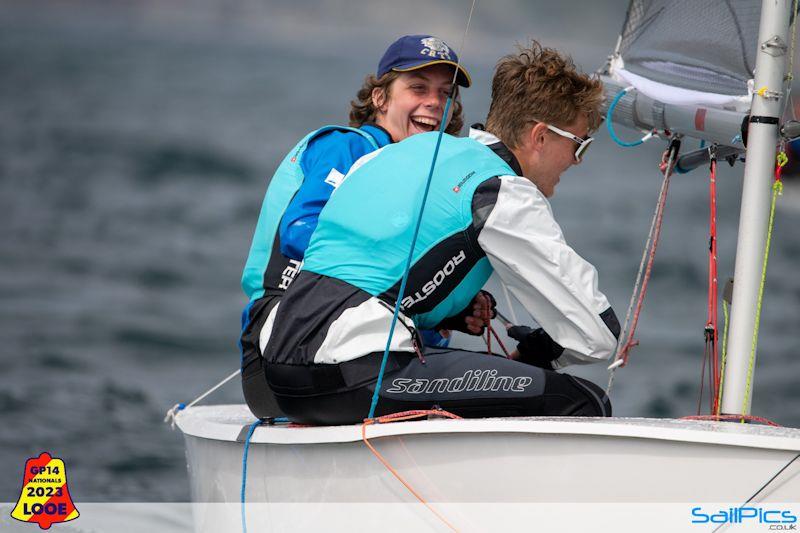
(688, 52)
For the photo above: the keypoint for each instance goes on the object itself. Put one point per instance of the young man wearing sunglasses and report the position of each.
(487, 211)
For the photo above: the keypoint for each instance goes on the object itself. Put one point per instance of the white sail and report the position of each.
(690, 52)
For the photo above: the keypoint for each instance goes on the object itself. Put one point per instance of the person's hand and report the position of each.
(482, 313)
(535, 346)
(518, 333)
(474, 318)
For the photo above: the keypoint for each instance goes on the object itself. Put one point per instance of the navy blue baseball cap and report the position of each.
(412, 52)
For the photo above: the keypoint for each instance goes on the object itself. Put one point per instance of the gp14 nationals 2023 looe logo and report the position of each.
(44, 498)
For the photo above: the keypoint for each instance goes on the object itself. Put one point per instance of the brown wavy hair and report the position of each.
(540, 85)
(363, 111)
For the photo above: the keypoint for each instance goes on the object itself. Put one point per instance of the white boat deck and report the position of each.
(229, 423)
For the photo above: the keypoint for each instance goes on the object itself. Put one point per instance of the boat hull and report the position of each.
(501, 461)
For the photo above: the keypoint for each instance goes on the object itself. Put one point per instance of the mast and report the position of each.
(766, 110)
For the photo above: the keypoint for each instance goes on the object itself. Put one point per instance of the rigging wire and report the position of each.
(764, 486)
(376, 394)
(173, 412)
(703, 380)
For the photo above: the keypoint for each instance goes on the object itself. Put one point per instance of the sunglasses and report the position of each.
(583, 144)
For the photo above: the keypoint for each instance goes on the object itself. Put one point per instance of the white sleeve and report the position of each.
(526, 248)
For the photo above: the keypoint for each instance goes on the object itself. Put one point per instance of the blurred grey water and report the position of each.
(135, 139)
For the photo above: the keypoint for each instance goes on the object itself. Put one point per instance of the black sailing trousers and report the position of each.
(468, 384)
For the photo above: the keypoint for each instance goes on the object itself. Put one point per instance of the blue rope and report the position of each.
(245, 322)
(375, 395)
(244, 470)
(610, 125)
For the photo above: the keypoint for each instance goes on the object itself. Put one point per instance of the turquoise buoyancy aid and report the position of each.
(264, 249)
(365, 231)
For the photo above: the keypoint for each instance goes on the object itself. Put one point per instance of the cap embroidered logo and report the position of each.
(435, 47)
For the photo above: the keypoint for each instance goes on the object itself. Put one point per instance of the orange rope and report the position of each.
(399, 417)
(733, 418)
(712, 329)
(491, 330)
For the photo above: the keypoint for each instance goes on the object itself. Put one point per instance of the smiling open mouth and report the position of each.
(425, 123)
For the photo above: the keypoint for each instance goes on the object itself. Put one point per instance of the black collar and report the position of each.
(502, 151)
(505, 154)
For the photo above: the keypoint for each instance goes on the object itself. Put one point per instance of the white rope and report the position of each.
(172, 413)
(463, 40)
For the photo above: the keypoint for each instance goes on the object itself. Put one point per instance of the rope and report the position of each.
(376, 394)
(731, 418)
(399, 417)
(711, 329)
(724, 357)
(777, 190)
(490, 329)
(643, 275)
(253, 427)
(610, 125)
(173, 412)
(789, 76)
(702, 381)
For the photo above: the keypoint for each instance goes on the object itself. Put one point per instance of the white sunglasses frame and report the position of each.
(583, 144)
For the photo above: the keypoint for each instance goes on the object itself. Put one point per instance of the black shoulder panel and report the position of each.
(611, 321)
(483, 202)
